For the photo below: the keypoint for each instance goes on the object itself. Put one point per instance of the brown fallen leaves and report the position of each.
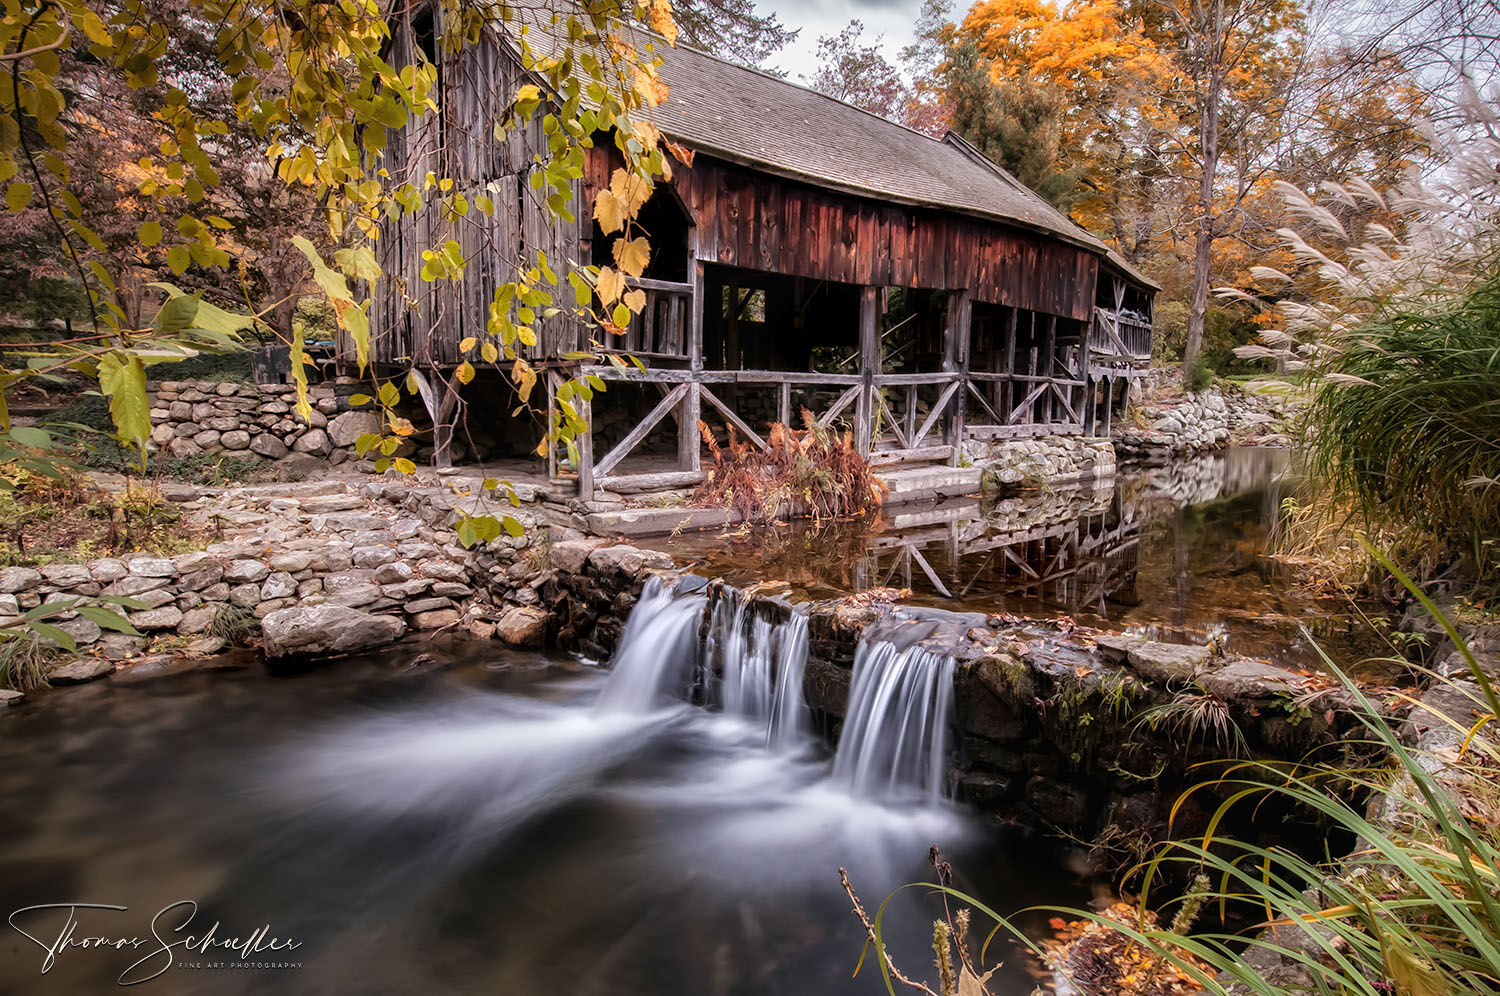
(1100, 960)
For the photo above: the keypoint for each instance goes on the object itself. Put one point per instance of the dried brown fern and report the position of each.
(809, 471)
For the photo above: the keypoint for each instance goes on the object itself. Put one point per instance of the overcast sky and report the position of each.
(891, 18)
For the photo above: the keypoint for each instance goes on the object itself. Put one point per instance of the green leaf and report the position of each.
(149, 234)
(176, 314)
(512, 525)
(123, 381)
(25, 435)
(178, 258)
(17, 196)
(57, 636)
(105, 619)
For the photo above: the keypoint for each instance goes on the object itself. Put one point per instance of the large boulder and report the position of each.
(345, 429)
(324, 630)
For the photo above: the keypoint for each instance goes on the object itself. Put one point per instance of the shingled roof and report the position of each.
(750, 117)
(757, 119)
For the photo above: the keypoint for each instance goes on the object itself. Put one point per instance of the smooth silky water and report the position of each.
(487, 821)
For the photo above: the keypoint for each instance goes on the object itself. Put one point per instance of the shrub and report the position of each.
(1405, 422)
(814, 467)
(1197, 376)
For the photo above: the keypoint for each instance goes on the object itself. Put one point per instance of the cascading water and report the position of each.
(789, 716)
(658, 650)
(759, 667)
(894, 742)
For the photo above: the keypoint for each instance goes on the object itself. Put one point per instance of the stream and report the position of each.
(484, 822)
(453, 817)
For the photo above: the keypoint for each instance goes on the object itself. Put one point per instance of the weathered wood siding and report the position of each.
(764, 222)
(413, 320)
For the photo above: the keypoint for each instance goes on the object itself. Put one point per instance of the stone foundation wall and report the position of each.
(1158, 428)
(254, 421)
(1042, 460)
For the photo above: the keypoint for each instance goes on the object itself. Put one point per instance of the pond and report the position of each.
(1175, 553)
(465, 821)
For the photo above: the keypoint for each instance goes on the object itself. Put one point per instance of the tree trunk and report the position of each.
(1208, 140)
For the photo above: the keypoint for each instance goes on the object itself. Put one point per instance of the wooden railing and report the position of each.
(1022, 404)
(911, 435)
(661, 330)
(1117, 335)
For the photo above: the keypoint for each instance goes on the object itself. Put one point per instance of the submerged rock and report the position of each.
(523, 627)
(78, 671)
(324, 630)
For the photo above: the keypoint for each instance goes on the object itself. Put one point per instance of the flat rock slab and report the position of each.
(78, 671)
(1245, 679)
(1159, 662)
(9, 698)
(658, 521)
(324, 630)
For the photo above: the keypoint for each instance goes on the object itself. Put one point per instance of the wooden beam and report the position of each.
(733, 418)
(957, 330)
(869, 364)
(633, 439)
(637, 483)
(689, 449)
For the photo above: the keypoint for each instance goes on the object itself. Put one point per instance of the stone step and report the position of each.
(658, 521)
(911, 484)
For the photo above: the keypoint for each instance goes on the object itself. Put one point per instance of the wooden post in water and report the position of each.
(689, 452)
(956, 330)
(869, 364)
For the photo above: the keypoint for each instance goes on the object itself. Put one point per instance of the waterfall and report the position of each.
(789, 717)
(658, 651)
(895, 737)
(759, 666)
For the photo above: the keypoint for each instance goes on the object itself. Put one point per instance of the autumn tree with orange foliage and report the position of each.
(1177, 116)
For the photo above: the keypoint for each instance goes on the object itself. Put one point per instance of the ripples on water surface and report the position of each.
(486, 828)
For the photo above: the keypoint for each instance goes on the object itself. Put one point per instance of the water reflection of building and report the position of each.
(1076, 550)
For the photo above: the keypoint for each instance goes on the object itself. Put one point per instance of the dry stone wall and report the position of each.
(1043, 460)
(255, 421)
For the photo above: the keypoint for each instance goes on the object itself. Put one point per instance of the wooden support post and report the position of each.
(784, 404)
(1008, 401)
(551, 378)
(689, 449)
(585, 445)
(1049, 410)
(1109, 403)
(909, 420)
(869, 364)
(956, 332)
(443, 411)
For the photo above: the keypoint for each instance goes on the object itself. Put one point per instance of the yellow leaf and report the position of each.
(467, 343)
(404, 465)
(525, 379)
(632, 255)
(611, 284)
(609, 212)
(631, 189)
(489, 352)
(465, 372)
(659, 14)
(635, 300)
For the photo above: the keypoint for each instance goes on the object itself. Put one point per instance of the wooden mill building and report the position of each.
(813, 257)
